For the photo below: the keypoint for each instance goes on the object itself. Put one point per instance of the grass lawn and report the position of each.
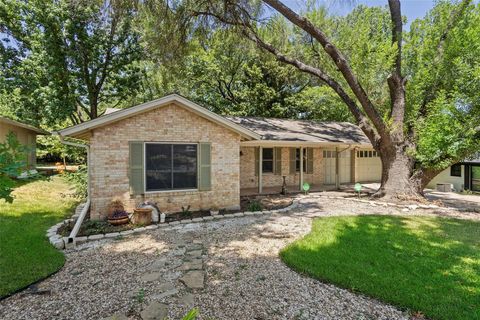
(25, 253)
(423, 264)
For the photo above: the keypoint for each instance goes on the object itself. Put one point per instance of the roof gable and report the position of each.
(82, 128)
(23, 125)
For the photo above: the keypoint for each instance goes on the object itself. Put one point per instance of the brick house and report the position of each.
(176, 153)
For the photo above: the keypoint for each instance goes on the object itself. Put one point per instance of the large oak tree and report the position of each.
(412, 93)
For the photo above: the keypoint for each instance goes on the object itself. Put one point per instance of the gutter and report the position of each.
(70, 240)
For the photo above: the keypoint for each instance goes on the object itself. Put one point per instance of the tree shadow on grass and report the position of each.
(427, 264)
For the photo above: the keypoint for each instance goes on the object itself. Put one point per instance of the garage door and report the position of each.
(329, 166)
(369, 166)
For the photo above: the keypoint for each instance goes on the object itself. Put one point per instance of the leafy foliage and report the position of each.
(67, 59)
(12, 161)
(79, 179)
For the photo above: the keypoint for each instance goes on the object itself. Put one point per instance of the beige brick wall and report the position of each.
(109, 160)
(249, 180)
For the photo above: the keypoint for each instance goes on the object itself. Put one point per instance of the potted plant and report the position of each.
(116, 213)
(214, 211)
(142, 216)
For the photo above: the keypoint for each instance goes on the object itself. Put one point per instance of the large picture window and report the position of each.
(170, 166)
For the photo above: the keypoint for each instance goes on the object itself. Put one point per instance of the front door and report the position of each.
(475, 178)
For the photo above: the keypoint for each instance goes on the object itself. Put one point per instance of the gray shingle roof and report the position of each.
(303, 130)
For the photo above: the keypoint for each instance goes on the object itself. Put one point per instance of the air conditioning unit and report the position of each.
(444, 187)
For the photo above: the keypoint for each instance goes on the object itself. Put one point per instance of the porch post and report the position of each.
(301, 168)
(337, 169)
(260, 169)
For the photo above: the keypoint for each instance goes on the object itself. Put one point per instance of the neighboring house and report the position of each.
(178, 154)
(464, 175)
(26, 135)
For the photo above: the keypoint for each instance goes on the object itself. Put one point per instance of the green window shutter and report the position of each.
(136, 171)
(205, 166)
(309, 160)
(292, 160)
(257, 159)
(278, 160)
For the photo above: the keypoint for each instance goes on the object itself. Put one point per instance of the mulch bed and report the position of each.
(267, 202)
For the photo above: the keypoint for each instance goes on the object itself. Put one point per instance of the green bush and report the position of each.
(254, 205)
(79, 179)
(12, 162)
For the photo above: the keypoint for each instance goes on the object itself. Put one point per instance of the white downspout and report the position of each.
(83, 213)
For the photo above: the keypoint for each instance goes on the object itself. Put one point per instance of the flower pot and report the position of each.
(118, 221)
(142, 216)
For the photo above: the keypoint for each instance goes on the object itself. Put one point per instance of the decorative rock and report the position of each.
(151, 227)
(112, 235)
(187, 300)
(80, 240)
(96, 237)
(197, 220)
(238, 214)
(412, 207)
(155, 311)
(405, 209)
(153, 276)
(193, 279)
(59, 244)
(257, 213)
(207, 218)
(197, 241)
(126, 232)
(194, 246)
(184, 221)
(219, 216)
(174, 223)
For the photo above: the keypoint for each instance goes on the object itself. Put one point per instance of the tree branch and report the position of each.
(396, 82)
(339, 60)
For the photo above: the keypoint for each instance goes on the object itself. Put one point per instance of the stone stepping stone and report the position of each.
(167, 286)
(193, 279)
(165, 294)
(116, 317)
(155, 311)
(152, 276)
(174, 263)
(158, 264)
(196, 264)
(187, 300)
(194, 246)
(195, 253)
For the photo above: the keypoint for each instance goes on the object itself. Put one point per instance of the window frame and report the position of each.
(145, 166)
(297, 160)
(269, 160)
(459, 166)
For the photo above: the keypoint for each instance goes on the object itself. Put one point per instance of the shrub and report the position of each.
(79, 179)
(254, 205)
(12, 161)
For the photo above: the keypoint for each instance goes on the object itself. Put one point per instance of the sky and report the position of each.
(412, 9)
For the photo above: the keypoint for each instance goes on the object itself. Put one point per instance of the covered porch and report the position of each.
(267, 168)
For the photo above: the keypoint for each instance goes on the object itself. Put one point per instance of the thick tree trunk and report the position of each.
(399, 181)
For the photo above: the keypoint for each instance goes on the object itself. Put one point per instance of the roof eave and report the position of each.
(81, 129)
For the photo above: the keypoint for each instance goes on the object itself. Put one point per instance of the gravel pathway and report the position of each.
(228, 269)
